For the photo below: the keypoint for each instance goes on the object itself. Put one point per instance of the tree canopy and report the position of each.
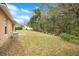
(56, 18)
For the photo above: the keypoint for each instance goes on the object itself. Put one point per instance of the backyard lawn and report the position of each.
(35, 43)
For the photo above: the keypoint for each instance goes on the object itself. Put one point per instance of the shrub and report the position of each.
(76, 37)
(66, 36)
(18, 28)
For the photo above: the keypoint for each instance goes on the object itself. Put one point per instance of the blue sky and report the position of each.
(22, 12)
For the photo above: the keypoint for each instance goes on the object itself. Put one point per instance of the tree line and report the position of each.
(56, 19)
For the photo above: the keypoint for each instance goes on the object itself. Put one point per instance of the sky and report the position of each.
(22, 12)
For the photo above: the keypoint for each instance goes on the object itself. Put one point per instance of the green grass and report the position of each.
(36, 43)
(22, 31)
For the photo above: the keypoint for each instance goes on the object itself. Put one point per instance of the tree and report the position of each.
(56, 18)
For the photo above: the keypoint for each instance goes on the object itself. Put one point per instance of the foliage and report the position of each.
(18, 28)
(66, 36)
(55, 20)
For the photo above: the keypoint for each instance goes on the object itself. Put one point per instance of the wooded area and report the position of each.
(56, 19)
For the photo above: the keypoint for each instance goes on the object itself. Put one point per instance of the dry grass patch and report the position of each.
(12, 48)
(35, 43)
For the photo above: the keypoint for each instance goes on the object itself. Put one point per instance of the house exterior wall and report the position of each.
(5, 22)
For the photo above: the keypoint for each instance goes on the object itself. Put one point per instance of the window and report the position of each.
(5, 24)
(5, 29)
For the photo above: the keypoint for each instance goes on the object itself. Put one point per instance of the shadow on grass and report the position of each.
(74, 42)
(12, 48)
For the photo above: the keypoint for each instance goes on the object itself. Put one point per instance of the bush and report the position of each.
(18, 28)
(76, 37)
(66, 36)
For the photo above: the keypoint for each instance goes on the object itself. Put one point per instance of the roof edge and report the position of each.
(6, 10)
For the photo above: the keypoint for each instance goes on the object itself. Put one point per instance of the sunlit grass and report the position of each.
(37, 43)
(21, 31)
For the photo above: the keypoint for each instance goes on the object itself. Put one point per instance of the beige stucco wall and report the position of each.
(5, 21)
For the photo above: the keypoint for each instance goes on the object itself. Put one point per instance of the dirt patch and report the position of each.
(12, 48)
